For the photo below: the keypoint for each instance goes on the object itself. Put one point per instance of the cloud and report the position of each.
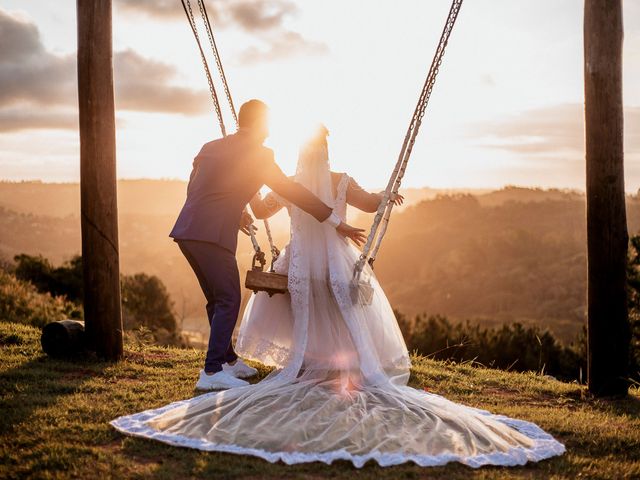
(284, 46)
(23, 37)
(264, 20)
(259, 14)
(45, 84)
(16, 119)
(551, 132)
(162, 9)
(248, 14)
(143, 84)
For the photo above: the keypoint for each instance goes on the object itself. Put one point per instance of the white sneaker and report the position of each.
(239, 369)
(219, 381)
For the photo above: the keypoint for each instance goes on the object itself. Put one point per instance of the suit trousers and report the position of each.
(217, 272)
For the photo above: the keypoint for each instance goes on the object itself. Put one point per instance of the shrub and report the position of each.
(65, 280)
(147, 304)
(145, 300)
(512, 347)
(21, 302)
(633, 275)
(517, 347)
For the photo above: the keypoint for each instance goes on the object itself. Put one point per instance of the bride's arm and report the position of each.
(265, 207)
(366, 201)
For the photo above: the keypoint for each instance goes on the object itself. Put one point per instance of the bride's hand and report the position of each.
(355, 234)
(397, 199)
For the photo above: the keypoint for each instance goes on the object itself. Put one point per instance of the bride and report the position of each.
(339, 389)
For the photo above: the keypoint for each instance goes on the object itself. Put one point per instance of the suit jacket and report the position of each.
(226, 174)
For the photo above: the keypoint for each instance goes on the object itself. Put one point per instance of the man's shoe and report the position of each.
(219, 381)
(239, 369)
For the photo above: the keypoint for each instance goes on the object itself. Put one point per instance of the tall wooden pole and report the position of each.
(607, 238)
(102, 308)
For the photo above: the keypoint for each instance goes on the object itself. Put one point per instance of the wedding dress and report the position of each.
(339, 389)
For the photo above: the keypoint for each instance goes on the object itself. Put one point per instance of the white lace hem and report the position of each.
(545, 446)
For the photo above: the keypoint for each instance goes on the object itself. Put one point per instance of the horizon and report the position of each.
(486, 189)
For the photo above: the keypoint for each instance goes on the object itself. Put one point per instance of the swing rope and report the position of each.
(186, 4)
(381, 220)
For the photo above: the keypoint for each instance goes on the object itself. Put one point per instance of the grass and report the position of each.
(54, 418)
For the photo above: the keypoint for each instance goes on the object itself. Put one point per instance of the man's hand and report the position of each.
(246, 223)
(355, 234)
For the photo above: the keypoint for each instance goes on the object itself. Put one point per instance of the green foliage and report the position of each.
(511, 347)
(147, 304)
(145, 300)
(633, 276)
(21, 302)
(518, 347)
(63, 281)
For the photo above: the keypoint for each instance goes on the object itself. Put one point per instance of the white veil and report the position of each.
(328, 335)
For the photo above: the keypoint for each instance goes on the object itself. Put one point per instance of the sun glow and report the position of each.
(290, 128)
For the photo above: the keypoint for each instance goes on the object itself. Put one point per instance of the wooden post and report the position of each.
(607, 238)
(102, 308)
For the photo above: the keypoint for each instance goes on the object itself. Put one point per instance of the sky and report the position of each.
(507, 107)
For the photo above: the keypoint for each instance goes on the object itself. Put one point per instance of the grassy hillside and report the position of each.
(55, 414)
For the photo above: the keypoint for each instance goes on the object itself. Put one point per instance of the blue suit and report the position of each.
(226, 174)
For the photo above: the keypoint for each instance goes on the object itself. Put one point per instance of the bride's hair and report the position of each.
(319, 136)
(314, 151)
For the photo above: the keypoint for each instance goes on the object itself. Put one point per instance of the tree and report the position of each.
(63, 281)
(147, 304)
(145, 298)
(607, 238)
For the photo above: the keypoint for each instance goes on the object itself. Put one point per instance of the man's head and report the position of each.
(254, 119)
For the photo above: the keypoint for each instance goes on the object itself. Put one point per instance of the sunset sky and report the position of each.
(506, 109)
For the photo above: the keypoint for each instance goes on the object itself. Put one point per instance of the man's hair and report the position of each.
(252, 112)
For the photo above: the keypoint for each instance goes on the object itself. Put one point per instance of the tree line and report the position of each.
(148, 310)
(147, 306)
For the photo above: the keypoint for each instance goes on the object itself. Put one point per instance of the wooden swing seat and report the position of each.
(260, 281)
(269, 282)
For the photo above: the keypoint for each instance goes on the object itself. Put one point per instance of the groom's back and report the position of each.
(226, 174)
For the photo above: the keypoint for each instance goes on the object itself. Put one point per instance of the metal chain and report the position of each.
(381, 221)
(419, 115)
(216, 55)
(214, 95)
(429, 83)
(275, 252)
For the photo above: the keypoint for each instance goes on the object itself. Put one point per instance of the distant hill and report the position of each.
(525, 195)
(493, 257)
(499, 256)
(146, 197)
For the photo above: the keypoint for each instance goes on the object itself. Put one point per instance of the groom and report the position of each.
(226, 174)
